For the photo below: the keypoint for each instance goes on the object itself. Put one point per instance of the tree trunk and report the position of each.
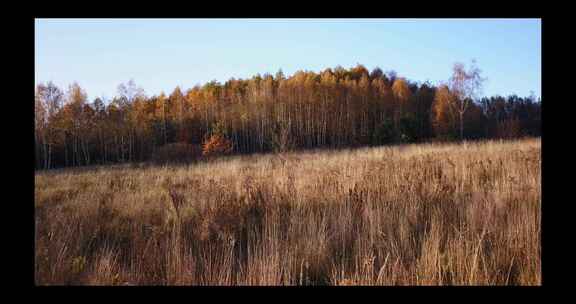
(49, 156)
(65, 151)
(461, 126)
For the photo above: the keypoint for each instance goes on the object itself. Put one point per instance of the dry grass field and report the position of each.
(431, 214)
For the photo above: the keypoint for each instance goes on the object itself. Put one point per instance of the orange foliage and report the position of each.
(216, 145)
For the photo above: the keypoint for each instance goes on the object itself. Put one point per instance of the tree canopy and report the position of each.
(334, 108)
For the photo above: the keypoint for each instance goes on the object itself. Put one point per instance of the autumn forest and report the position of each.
(334, 108)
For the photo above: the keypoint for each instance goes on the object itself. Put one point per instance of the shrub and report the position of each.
(216, 145)
(216, 142)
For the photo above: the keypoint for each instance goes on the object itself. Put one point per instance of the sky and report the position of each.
(160, 54)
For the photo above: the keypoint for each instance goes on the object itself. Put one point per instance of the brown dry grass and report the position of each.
(435, 214)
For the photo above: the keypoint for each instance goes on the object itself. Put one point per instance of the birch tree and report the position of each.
(465, 85)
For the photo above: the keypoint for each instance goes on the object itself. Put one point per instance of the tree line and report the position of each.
(334, 108)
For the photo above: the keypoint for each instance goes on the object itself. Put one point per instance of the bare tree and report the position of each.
(130, 91)
(49, 102)
(281, 137)
(465, 85)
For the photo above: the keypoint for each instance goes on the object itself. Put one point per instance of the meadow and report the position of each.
(422, 214)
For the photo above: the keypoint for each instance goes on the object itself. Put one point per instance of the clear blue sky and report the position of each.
(160, 54)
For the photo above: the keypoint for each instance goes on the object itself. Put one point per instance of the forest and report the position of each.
(335, 108)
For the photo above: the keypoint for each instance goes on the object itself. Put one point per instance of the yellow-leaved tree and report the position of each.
(444, 116)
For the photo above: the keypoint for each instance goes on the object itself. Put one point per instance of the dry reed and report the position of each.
(432, 214)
